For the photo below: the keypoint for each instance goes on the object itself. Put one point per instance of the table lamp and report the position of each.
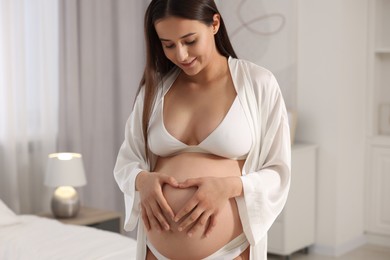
(65, 171)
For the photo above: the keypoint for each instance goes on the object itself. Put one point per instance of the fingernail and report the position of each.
(190, 234)
(180, 229)
(167, 227)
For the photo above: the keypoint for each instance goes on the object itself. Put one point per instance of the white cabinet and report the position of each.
(294, 229)
(379, 68)
(377, 182)
(378, 195)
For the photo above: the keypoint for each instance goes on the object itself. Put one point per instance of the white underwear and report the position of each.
(228, 252)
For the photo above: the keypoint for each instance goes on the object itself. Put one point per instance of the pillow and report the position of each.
(7, 216)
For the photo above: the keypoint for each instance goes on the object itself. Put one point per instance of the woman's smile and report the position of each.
(189, 64)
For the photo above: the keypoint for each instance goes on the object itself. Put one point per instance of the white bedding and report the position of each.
(32, 237)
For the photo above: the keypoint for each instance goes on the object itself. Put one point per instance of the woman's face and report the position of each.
(187, 43)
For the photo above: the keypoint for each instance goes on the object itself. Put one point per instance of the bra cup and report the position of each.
(230, 139)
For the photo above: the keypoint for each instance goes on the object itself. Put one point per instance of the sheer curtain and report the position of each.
(102, 60)
(28, 100)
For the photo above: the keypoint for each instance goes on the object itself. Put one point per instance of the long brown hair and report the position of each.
(157, 64)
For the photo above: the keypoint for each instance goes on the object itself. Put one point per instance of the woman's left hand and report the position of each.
(212, 195)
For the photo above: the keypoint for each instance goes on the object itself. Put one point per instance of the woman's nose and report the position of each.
(181, 53)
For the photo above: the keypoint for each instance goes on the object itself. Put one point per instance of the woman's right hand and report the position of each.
(153, 202)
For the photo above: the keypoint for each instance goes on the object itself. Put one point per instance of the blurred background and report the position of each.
(69, 71)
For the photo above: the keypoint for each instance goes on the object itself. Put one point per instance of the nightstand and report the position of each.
(97, 218)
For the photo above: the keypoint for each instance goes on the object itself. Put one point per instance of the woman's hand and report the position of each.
(212, 195)
(153, 202)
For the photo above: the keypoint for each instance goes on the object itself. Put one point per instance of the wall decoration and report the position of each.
(265, 33)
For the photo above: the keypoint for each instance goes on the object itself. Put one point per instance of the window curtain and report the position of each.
(102, 60)
(28, 100)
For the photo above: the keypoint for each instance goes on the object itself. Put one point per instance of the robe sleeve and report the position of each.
(130, 162)
(267, 181)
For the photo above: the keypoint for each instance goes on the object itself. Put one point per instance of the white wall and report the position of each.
(264, 32)
(332, 72)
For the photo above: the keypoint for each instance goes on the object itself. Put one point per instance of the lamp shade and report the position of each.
(65, 169)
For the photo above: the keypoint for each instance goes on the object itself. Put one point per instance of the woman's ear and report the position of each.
(216, 23)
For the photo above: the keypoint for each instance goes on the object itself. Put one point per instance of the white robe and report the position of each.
(266, 172)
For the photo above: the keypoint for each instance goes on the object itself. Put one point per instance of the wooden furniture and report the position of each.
(97, 218)
(294, 229)
(377, 181)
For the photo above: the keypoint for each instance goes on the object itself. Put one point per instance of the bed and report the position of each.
(31, 237)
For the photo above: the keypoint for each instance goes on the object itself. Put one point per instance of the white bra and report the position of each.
(231, 139)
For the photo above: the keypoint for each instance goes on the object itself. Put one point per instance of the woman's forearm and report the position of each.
(139, 180)
(234, 186)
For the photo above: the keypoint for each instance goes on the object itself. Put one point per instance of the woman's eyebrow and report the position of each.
(182, 37)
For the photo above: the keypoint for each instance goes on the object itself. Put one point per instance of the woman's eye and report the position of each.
(170, 46)
(191, 42)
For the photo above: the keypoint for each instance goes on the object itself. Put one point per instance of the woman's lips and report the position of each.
(188, 64)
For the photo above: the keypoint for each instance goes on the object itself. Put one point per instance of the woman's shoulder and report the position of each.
(257, 75)
(250, 70)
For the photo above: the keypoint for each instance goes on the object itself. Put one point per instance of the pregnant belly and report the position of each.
(178, 245)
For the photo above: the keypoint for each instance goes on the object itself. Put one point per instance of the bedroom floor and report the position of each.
(366, 252)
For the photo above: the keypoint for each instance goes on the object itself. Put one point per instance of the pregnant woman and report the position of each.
(205, 164)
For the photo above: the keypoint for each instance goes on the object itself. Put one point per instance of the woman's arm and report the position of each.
(130, 162)
(132, 168)
(267, 174)
(265, 190)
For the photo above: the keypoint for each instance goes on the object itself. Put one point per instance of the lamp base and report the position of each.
(65, 202)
